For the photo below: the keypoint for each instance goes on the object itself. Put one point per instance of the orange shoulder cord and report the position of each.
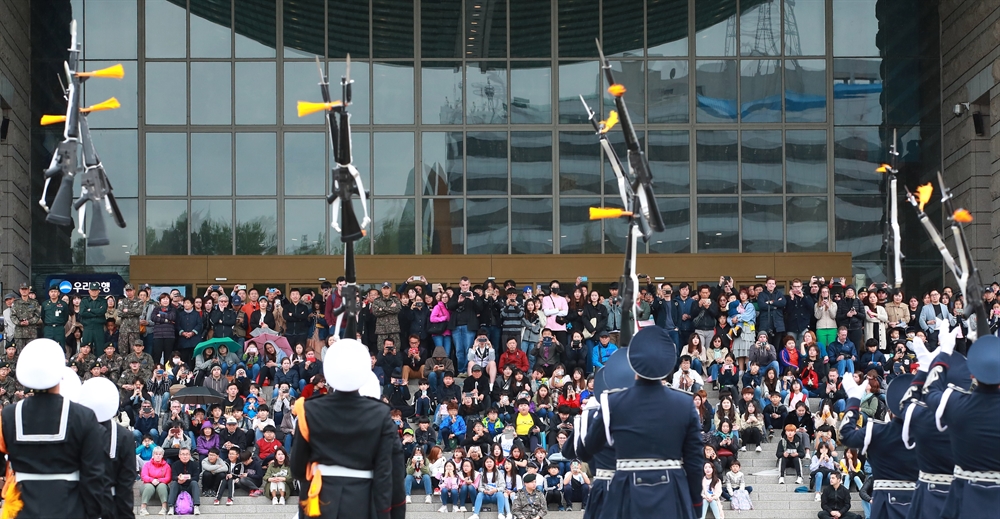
(11, 495)
(311, 503)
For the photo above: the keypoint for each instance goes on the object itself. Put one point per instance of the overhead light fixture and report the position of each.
(222, 279)
(718, 234)
(760, 276)
(322, 279)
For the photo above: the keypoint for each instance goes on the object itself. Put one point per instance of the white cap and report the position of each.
(70, 385)
(348, 368)
(372, 388)
(41, 364)
(101, 396)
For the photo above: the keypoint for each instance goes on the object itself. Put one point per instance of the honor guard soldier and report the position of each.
(894, 472)
(55, 315)
(656, 435)
(27, 315)
(130, 309)
(969, 417)
(614, 376)
(101, 396)
(373, 389)
(54, 469)
(343, 445)
(93, 316)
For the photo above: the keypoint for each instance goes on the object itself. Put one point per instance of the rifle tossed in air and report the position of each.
(897, 254)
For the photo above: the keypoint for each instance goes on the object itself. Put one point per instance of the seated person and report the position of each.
(575, 486)
(527, 425)
(452, 429)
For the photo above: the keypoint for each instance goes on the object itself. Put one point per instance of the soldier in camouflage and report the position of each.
(55, 315)
(131, 309)
(27, 315)
(529, 502)
(111, 362)
(10, 390)
(126, 381)
(146, 364)
(83, 360)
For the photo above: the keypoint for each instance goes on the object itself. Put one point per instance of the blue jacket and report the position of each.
(665, 314)
(189, 322)
(600, 354)
(685, 306)
(770, 317)
(798, 313)
(836, 349)
(457, 425)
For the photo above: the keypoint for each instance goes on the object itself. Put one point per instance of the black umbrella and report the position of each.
(199, 395)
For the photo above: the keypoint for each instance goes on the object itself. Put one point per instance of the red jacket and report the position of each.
(518, 358)
(265, 448)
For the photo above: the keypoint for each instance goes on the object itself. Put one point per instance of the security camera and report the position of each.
(960, 108)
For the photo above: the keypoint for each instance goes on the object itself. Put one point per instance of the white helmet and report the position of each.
(372, 388)
(347, 365)
(40, 365)
(101, 396)
(70, 385)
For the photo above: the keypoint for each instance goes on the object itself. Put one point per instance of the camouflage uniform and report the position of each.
(84, 364)
(146, 365)
(130, 311)
(55, 315)
(112, 367)
(128, 378)
(529, 506)
(386, 311)
(25, 310)
(10, 387)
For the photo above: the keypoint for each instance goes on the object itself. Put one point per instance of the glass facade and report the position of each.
(469, 132)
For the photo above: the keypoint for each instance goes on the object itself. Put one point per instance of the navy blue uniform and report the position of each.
(602, 461)
(647, 423)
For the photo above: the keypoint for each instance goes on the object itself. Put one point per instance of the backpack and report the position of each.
(740, 500)
(184, 504)
(881, 411)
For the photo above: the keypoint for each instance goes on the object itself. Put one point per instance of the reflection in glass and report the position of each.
(668, 91)
(760, 90)
(393, 171)
(762, 224)
(668, 153)
(393, 226)
(579, 163)
(716, 90)
(442, 156)
(166, 28)
(718, 154)
(301, 78)
(119, 153)
(486, 92)
(393, 99)
(578, 234)
(441, 93)
(615, 230)
(443, 223)
(718, 224)
(303, 28)
(256, 30)
(486, 164)
(255, 163)
(256, 227)
(347, 28)
(166, 164)
(166, 93)
(440, 23)
(211, 164)
(855, 25)
(857, 151)
(362, 155)
(576, 79)
(360, 96)
(166, 227)
(805, 161)
(211, 36)
(666, 27)
(531, 163)
(125, 90)
(124, 242)
(531, 35)
(112, 28)
(716, 27)
(859, 226)
(485, 29)
(622, 18)
(805, 227)
(211, 227)
(530, 92)
(211, 93)
(531, 226)
(805, 91)
(857, 87)
(256, 98)
(805, 27)
(305, 226)
(487, 221)
(676, 238)
(392, 29)
(579, 27)
(617, 140)
(760, 29)
(761, 161)
(633, 75)
(305, 163)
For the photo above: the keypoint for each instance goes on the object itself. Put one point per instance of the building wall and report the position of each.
(970, 73)
(15, 94)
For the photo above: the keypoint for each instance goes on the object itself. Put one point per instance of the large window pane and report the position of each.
(806, 227)
(256, 227)
(714, 21)
(667, 27)
(805, 161)
(530, 92)
(805, 27)
(576, 79)
(578, 234)
(762, 224)
(392, 28)
(393, 226)
(718, 224)
(211, 36)
(362, 246)
(760, 91)
(531, 163)
(166, 164)
(859, 226)
(111, 29)
(857, 88)
(668, 91)
(256, 98)
(166, 28)
(166, 227)
(856, 154)
(305, 163)
(622, 18)
(440, 26)
(676, 238)
(805, 91)
(362, 156)
(486, 29)
(211, 227)
(761, 162)
(393, 171)
(304, 28)
(718, 153)
(716, 90)
(360, 96)
(855, 26)
(531, 35)
(256, 30)
(670, 161)
(632, 74)
(487, 226)
(441, 93)
(393, 99)
(119, 153)
(443, 223)
(579, 163)
(579, 27)
(125, 90)
(166, 83)
(300, 85)
(486, 164)
(305, 226)
(124, 242)
(616, 229)
(760, 29)
(211, 164)
(617, 140)
(442, 156)
(531, 226)
(211, 93)
(255, 163)
(347, 28)
(486, 92)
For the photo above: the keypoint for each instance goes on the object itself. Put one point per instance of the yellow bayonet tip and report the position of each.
(307, 108)
(610, 122)
(924, 193)
(110, 104)
(52, 119)
(603, 213)
(616, 90)
(962, 216)
(114, 72)
(884, 168)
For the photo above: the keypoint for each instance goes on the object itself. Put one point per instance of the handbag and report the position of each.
(314, 343)
(437, 328)
(593, 324)
(740, 500)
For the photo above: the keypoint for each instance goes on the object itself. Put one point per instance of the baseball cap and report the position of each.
(236, 301)
(231, 421)
(477, 367)
(613, 285)
(408, 431)
(386, 284)
(128, 286)
(24, 284)
(604, 333)
(9, 295)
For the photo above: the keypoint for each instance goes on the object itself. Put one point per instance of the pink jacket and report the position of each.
(151, 470)
(554, 306)
(450, 483)
(439, 314)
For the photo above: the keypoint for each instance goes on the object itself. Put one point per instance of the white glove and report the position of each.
(852, 389)
(947, 337)
(924, 357)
